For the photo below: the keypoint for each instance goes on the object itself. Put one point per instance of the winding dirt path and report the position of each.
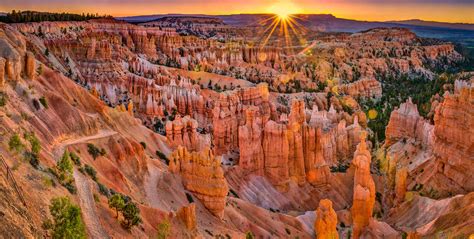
(150, 184)
(91, 219)
(59, 149)
(84, 191)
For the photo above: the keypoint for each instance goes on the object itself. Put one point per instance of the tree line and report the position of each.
(33, 16)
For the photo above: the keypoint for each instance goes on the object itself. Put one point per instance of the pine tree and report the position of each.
(117, 202)
(67, 219)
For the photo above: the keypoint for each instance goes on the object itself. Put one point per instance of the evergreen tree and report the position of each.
(131, 213)
(117, 202)
(67, 219)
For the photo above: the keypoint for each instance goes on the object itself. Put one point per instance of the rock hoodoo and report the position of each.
(326, 221)
(203, 176)
(364, 188)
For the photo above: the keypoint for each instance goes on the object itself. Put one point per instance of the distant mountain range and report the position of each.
(326, 21)
(455, 32)
(418, 22)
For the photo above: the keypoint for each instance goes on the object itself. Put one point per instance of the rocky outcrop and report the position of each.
(454, 135)
(435, 156)
(364, 188)
(203, 176)
(405, 122)
(276, 150)
(250, 142)
(326, 221)
(187, 214)
(367, 87)
(400, 184)
(30, 66)
(294, 148)
(183, 132)
(2, 71)
(228, 114)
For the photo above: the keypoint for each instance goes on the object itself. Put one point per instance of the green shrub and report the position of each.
(70, 187)
(91, 172)
(131, 213)
(67, 219)
(117, 202)
(163, 157)
(103, 189)
(34, 141)
(65, 164)
(15, 143)
(164, 229)
(143, 144)
(32, 159)
(44, 102)
(190, 198)
(3, 99)
(76, 159)
(94, 151)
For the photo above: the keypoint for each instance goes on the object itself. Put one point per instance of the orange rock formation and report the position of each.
(364, 188)
(326, 221)
(203, 176)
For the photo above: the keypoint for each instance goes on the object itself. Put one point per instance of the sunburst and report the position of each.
(282, 23)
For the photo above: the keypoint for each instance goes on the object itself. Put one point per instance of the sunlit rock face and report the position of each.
(454, 140)
(433, 155)
(187, 214)
(326, 221)
(406, 122)
(300, 147)
(364, 189)
(203, 176)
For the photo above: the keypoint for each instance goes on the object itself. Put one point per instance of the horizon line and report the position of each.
(247, 13)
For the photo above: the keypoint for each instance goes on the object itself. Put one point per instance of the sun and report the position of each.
(284, 9)
(284, 24)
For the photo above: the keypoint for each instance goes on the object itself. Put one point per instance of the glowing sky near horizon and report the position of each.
(372, 10)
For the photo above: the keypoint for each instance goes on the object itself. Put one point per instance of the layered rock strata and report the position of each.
(202, 175)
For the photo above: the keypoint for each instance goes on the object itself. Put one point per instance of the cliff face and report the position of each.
(406, 122)
(203, 176)
(183, 132)
(435, 156)
(294, 148)
(454, 140)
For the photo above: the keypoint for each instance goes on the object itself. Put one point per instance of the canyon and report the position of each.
(215, 136)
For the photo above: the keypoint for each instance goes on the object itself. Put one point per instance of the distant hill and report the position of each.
(454, 32)
(418, 22)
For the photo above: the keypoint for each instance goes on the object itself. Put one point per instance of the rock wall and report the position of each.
(405, 122)
(454, 135)
(30, 66)
(437, 156)
(296, 149)
(182, 132)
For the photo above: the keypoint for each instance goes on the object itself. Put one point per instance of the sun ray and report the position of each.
(283, 25)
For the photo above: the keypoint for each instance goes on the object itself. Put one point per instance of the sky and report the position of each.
(371, 10)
